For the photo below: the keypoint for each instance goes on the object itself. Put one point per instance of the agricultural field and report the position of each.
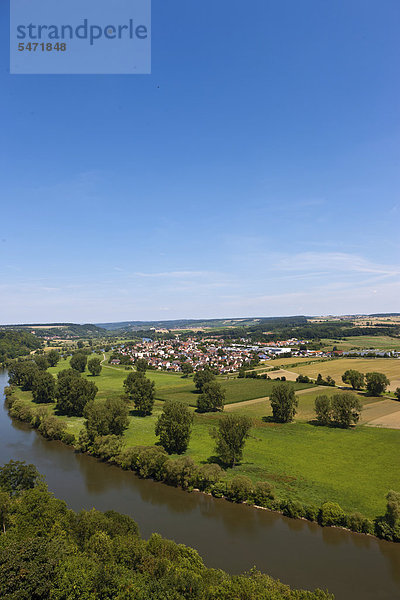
(363, 342)
(336, 368)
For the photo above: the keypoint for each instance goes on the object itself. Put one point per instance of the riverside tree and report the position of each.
(212, 398)
(73, 393)
(230, 436)
(354, 378)
(109, 417)
(283, 402)
(94, 366)
(43, 388)
(78, 362)
(174, 427)
(140, 390)
(376, 383)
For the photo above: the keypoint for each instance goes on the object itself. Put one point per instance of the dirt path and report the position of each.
(257, 400)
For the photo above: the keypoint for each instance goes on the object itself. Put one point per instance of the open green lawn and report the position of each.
(353, 467)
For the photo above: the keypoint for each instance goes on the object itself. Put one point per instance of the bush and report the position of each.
(239, 489)
(180, 472)
(311, 512)
(218, 490)
(207, 476)
(263, 493)
(358, 523)
(107, 447)
(293, 509)
(331, 514)
(52, 428)
(150, 462)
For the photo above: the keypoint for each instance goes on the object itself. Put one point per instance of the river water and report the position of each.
(228, 536)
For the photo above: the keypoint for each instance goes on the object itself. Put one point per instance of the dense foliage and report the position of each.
(230, 436)
(73, 393)
(174, 426)
(284, 402)
(48, 552)
(17, 343)
(340, 410)
(140, 390)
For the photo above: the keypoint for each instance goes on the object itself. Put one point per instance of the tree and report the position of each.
(140, 390)
(141, 365)
(212, 397)
(73, 393)
(78, 362)
(43, 388)
(376, 383)
(106, 418)
(354, 378)
(174, 427)
(53, 357)
(397, 393)
(393, 508)
(202, 377)
(41, 362)
(16, 476)
(323, 409)
(232, 432)
(283, 402)
(186, 368)
(94, 366)
(345, 409)
(23, 374)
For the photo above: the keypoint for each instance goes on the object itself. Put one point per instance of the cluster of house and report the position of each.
(213, 352)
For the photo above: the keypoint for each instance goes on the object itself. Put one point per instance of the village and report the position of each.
(222, 356)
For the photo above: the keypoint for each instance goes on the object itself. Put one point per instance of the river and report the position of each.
(228, 536)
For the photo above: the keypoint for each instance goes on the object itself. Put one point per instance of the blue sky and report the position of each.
(254, 173)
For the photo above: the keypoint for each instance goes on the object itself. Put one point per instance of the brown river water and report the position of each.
(228, 536)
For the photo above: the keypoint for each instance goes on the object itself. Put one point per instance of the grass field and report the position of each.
(313, 464)
(336, 368)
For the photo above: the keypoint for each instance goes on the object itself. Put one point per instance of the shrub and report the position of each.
(311, 512)
(293, 509)
(218, 490)
(358, 523)
(208, 475)
(107, 447)
(263, 493)
(150, 462)
(331, 514)
(52, 428)
(180, 472)
(239, 489)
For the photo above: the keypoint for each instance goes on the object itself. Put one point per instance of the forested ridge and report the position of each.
(50, 552)
(17, 343)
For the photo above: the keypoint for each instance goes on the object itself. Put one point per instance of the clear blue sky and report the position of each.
(254, 173)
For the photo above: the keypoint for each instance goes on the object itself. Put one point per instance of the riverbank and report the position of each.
(152, 462)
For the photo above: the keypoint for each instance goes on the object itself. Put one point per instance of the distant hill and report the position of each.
(201, 323)
(63, 330)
